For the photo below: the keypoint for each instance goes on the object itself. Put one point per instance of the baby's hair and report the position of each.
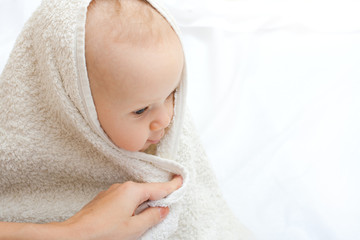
(130, 21)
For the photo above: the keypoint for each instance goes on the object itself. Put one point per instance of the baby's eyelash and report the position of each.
(141, 111)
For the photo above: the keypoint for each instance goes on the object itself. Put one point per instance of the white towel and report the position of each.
(54, 156)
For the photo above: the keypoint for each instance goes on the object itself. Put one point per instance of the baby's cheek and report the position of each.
(142, 136)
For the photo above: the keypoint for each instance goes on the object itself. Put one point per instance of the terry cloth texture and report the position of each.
(54, 156)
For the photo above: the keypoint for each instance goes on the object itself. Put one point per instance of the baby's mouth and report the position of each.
(154, 141)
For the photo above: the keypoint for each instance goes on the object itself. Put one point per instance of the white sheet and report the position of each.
(281, 100)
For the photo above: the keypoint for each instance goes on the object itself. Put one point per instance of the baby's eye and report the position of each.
(141, 111)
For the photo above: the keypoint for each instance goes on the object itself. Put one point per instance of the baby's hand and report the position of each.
(110, 215)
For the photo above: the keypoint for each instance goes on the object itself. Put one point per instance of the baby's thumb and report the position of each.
(149, 218)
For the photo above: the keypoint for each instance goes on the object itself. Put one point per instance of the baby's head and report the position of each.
(134, 61)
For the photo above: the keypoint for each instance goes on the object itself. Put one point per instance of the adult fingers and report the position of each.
(134, 194)
(156, 191)
(148, 218)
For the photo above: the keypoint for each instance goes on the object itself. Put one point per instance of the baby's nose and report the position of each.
(161, 122)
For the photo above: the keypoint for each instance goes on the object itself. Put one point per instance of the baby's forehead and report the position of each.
(127, 22)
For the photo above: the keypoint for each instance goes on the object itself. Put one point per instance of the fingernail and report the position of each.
(163, 212)
(181, 179)
(178, 177)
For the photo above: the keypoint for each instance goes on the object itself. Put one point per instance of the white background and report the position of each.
(274, 90)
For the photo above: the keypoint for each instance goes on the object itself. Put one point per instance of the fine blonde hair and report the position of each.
(129, 21)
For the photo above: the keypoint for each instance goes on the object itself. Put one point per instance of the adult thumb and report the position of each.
(149, 218)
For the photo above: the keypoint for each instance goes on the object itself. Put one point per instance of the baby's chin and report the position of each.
(149, 148)
(134, 148)
(145, 147)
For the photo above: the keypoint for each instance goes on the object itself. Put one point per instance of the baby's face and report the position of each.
(133, 89)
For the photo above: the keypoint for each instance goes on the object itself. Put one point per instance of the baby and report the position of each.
(134, 61)
(112, 173)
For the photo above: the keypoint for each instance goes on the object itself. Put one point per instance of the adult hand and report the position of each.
(110, 215)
